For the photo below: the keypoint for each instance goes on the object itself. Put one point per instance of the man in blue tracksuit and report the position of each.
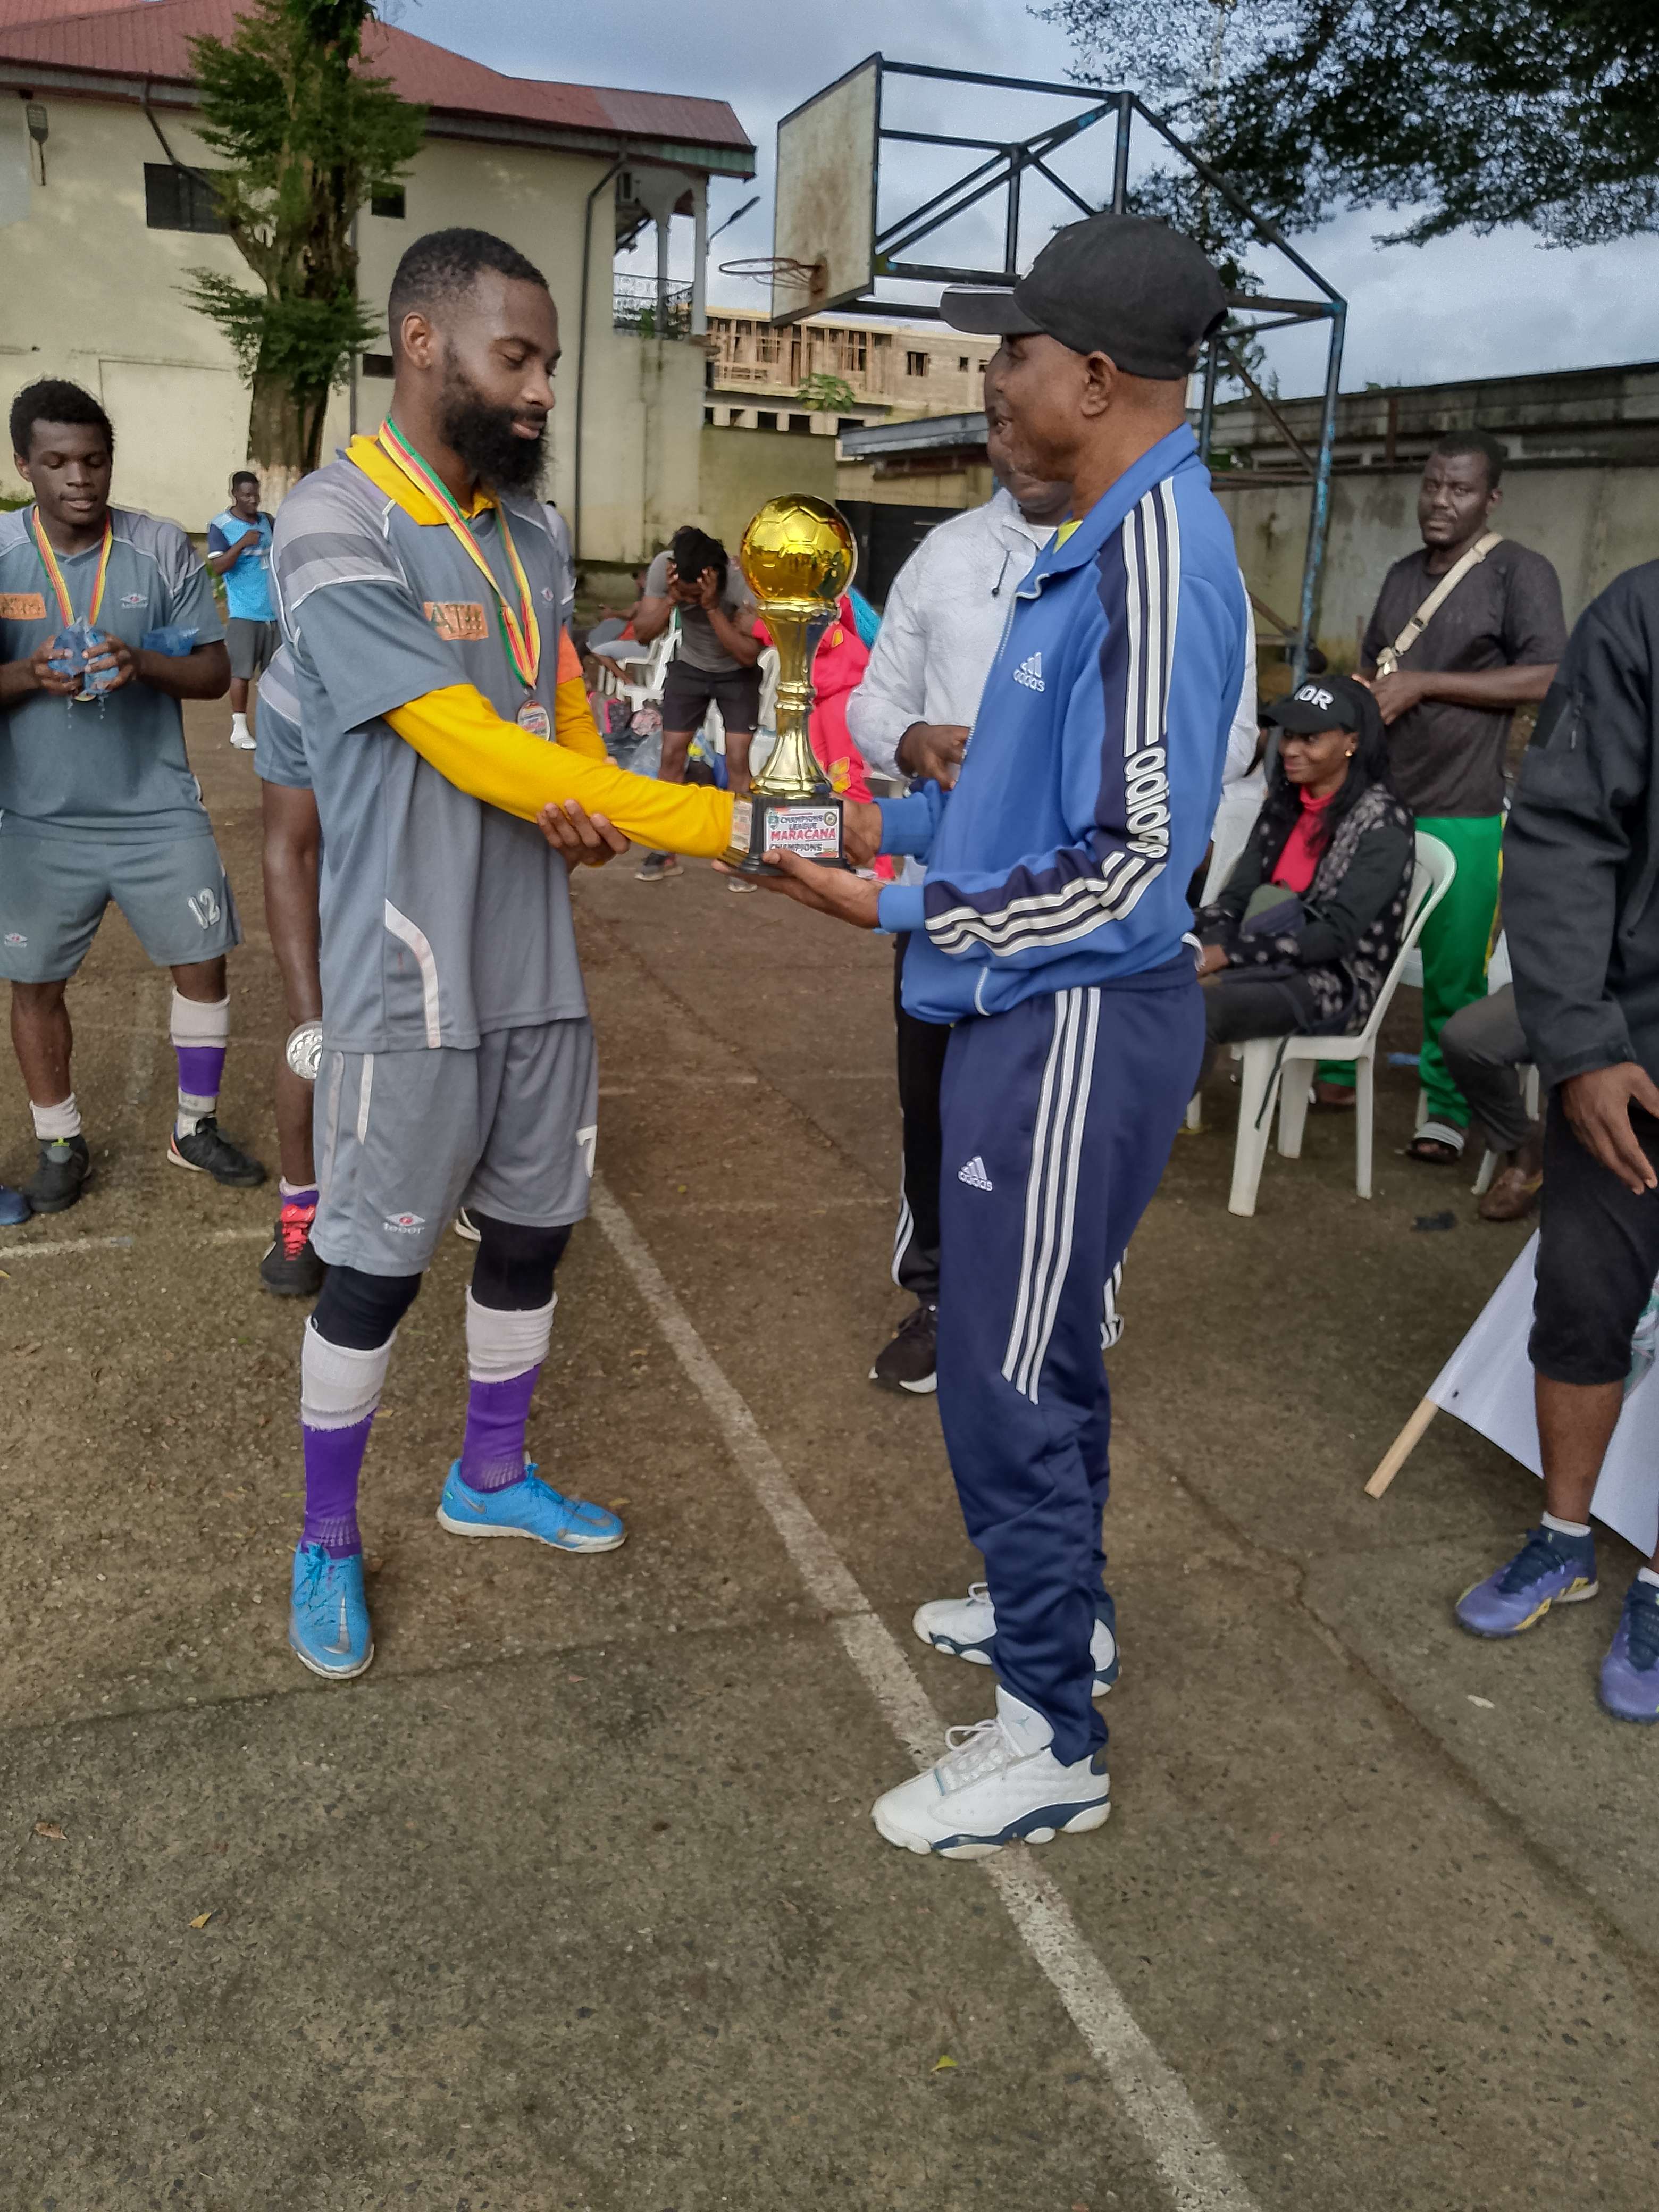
(1048, 930)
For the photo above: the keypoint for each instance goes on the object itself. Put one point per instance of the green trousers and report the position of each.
(1454, 945)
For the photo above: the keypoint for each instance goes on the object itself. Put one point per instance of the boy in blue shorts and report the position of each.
(238, 550)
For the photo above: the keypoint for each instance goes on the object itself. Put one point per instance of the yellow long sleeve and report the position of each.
(459, 733)
(573, 722)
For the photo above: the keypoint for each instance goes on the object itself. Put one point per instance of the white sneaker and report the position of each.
(998, 1783)
(241, 740)
(967, 1627)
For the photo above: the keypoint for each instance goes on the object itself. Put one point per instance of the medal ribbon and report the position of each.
(55, 574)
(521, 633)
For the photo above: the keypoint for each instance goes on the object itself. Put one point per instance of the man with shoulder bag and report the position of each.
(1463, 633)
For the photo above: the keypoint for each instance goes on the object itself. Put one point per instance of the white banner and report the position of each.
(1487, 1382)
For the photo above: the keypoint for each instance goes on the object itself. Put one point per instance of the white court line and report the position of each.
(1192, 2165)
(70, 1245)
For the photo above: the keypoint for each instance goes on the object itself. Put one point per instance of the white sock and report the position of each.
(500, 1345)
(1647, 1575)
(339, 1387)
(1566, 1528)
(204, 1026)
(55, 1125)
(238, 725)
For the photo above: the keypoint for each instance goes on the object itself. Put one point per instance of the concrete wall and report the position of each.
(950, 490)
(1592, 522)
(742, 469)
(91, 293)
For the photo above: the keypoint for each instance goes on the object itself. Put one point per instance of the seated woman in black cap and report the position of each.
(1309, 923)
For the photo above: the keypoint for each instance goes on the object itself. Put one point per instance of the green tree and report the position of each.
(1465, 113)
(307, 136)
(826, 395)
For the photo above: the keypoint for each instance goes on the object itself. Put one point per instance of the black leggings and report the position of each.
(1238, 1006)
(512, 1273)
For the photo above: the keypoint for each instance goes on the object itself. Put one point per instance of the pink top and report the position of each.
(1300, 857)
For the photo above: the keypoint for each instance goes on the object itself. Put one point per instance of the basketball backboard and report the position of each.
(824, 203)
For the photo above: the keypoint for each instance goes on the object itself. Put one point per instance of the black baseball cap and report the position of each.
(1323, 702)
(1117, 284)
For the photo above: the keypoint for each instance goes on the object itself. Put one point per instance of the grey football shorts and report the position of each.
(53, 890)
(404, 1138)
(252, 646)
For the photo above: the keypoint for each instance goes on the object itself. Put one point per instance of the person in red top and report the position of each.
(1309, 923)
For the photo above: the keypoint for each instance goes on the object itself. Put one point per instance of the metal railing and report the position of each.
(638, 306)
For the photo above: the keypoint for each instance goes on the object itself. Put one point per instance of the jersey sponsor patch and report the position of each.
(457, 622)
(22, 606)
(404, 1224)
(132, 599)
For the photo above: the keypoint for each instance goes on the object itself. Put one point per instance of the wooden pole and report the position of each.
(1401, 1448)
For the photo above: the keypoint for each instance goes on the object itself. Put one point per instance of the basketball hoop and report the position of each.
(777, 269)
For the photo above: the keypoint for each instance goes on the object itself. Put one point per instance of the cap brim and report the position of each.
(1304, 719)
(989, 309)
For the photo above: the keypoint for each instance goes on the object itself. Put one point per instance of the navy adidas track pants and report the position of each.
(1058, 1118)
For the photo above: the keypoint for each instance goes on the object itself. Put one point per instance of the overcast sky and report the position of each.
(1464, 306)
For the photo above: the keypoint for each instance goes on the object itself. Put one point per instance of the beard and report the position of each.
(486, 440)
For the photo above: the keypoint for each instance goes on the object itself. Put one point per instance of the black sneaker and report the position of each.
(907, 1362)
(291, 1269)
(209, 1153)
(657, 867)
(65, 1167)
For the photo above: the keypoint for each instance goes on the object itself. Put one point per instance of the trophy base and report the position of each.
(762, 825)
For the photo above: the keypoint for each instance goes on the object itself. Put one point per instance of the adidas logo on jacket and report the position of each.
(1062, 857)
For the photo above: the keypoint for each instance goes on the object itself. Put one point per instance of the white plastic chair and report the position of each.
(645, 689)
(1266, 1060)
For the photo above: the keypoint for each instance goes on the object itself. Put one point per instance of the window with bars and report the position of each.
(180, 199)
(915, 364)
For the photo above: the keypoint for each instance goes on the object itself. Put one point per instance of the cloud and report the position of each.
(1463, 306)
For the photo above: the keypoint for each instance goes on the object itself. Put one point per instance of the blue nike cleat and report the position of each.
(1630, 1672)
(328, 1614)
(1549, 1569)
(530, 1508)
(14, 1208)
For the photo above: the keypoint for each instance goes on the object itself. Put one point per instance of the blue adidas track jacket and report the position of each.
(1086, 798)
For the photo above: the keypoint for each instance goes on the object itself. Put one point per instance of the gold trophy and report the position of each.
(799, 557)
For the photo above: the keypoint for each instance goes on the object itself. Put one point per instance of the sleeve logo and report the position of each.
(22, 606)
(457, 622)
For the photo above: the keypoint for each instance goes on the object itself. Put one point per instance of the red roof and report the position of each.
(150, 41)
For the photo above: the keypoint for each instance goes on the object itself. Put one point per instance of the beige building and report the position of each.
(104, 210)
(896, 371)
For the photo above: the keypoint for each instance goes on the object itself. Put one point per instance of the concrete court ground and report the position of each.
(573, 1901)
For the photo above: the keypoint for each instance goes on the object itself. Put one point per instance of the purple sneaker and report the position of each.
(1630, 1672)
(1549, 1569)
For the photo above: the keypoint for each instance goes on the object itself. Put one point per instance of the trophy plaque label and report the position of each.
(742, 825)
(814, 832)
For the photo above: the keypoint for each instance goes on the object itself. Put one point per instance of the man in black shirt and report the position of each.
(1448, 694)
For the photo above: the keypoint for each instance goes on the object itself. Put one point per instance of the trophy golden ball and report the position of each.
(798, 548)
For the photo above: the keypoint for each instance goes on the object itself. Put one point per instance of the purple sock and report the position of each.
(492, 1451)
(201, 1068)
(334, 1459)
